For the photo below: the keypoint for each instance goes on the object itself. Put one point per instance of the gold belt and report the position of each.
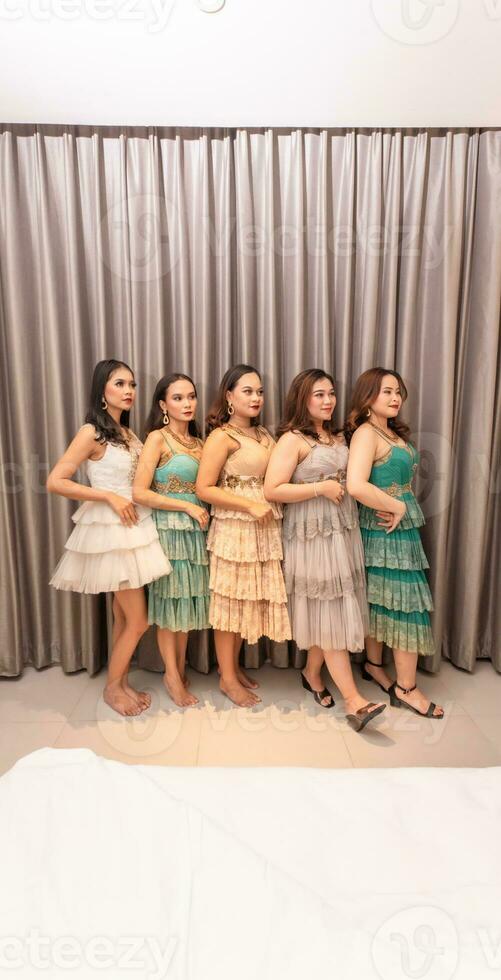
(340, 476)
(232, 482)
(397, 489)
(175, 485)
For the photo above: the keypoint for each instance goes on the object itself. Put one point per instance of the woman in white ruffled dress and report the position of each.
(114, 546)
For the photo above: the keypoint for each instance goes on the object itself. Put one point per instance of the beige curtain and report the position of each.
(193, 249)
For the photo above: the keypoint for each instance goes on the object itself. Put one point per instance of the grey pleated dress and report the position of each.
(324, 566)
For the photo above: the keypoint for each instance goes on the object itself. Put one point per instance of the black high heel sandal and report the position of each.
(368, 677)
(318, 695)
(361, 717)
(397, 702)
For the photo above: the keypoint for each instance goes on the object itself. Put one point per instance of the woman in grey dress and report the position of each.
(323, 555)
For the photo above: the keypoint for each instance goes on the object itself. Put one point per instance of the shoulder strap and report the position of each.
(173, 452)
(297, 432)
(235, 438)
(264, 431)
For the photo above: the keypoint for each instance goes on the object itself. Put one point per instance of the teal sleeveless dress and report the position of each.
(397, 590)
(180, 601)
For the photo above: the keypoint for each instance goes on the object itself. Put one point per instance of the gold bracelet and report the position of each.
(315, 489)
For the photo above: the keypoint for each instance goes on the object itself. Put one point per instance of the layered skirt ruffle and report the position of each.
(325, 574)
(180, 601)
(247, 591)
(103, 555)
(397, 590)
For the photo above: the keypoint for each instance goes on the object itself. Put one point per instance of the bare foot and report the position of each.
(177, 691)
(239, 694)
(245, 680)
(142, 698)
(379, 674)
(418, 700)
(242, 677)
(116, 698)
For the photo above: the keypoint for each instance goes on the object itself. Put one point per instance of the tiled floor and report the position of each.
(50, 708)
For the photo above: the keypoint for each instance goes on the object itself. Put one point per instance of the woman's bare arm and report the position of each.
(283, 461)
(79, 450)
(361, 457)
(214, 455)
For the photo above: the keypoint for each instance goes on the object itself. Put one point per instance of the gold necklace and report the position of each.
(326, 442)
(386, 435)
(187, 443)
(242, 432)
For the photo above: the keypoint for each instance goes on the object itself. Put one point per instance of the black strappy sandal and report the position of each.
(396, 702)
(368, 677)
(361, 717)
(318, 695)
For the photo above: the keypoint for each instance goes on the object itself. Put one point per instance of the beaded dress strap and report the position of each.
(172, 451)
(299, 433)
(178, 452)
(261, 428)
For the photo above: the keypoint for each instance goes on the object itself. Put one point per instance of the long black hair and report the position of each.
(218, 413)
(155, 418)
(106, 428)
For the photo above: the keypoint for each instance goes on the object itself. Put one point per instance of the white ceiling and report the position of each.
(255, 63)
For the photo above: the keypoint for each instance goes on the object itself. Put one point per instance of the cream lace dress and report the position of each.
(247, 590)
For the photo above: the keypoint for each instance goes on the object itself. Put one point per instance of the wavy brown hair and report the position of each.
(155, 418)
(365, 392)
(218, 413)
(296, 414)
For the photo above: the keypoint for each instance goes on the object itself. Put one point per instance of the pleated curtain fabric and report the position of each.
(190, 250)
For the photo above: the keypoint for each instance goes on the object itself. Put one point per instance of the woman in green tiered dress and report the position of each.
(166, 477)
(381, 466)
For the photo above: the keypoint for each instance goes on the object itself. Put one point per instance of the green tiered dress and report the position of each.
(180, 601)
(397, 590)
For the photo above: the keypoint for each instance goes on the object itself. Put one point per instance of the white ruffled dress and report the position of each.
(102, 554)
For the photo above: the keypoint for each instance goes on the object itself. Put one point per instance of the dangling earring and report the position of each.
(104, 403)
(166, 418)
(230, 409)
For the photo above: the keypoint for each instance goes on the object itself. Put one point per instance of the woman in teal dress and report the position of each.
(381, 465)
(166, 477)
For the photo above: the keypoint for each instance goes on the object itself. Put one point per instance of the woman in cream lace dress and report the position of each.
(247, 590)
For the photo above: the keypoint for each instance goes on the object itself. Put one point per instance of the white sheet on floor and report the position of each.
(250, 874)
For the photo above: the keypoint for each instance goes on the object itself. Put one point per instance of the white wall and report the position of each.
(255, 63)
